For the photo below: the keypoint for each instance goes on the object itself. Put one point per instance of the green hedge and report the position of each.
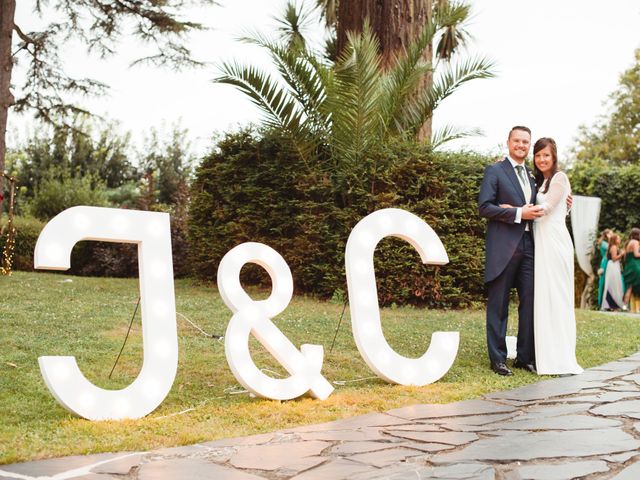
(253, 188)
(618, 189)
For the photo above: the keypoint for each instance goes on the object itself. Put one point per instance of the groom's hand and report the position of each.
(531, 212)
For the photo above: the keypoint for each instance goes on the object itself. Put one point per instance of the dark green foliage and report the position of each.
(618, 187)
(256, 189)
(27, 231)
(61, 191)
(166, 155)
(101, 155)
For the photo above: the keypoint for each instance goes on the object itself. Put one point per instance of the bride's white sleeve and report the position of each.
(558, 188)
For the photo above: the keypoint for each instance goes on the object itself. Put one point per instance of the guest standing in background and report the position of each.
(603, 246)
(632, 271)
(613, 295)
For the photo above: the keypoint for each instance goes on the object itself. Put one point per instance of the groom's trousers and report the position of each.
(519, 274)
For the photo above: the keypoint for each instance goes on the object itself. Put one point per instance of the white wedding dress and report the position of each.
(554, 315)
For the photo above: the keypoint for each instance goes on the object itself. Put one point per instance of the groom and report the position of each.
(509, 250)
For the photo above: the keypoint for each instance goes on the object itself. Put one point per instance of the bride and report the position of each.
(554, 315)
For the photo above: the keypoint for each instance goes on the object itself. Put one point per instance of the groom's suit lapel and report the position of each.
(511, 173)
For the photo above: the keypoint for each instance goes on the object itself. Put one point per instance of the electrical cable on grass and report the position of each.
(355, 380)
(208, 335)
(126, 337)
(344, 307)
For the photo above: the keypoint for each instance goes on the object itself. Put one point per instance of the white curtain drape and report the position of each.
(585, 214)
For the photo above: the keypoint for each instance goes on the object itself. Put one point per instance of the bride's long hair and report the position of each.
(539, 145)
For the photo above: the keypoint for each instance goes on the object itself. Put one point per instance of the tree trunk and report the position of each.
(7, 12)
(395, 23)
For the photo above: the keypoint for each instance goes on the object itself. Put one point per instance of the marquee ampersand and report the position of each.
(363, 298)
(150, 231)
(254, 317)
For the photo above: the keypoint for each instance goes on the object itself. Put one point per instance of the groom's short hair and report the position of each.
(519, 127)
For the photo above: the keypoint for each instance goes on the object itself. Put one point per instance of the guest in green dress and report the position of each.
(603, 244)
(632, 270)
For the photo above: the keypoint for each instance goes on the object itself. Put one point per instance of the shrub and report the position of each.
(59, 192)
(618, 189)
(256, 189)
(27, 231)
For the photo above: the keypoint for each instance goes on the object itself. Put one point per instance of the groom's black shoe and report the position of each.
(525, 366)
(501, 368)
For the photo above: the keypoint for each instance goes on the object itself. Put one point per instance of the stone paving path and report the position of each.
(585, 426)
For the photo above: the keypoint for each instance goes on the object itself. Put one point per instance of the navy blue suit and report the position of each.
(509, 260)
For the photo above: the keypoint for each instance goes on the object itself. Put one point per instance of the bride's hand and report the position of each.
(505, 205)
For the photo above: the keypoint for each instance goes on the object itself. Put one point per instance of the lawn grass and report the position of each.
(42, 314)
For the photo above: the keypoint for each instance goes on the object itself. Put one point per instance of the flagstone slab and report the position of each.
(604, 397)
(427, 447)
(627, 408)
(349, 448)
(273, 457)
(55, 466)
(456, 409)
(449, 438)
(547, 389)
(564, 471)
(463, 471)
(555, 410)
(368, 420)
(91, 476)
(629, 387)
(562, 422)
(340, 469)
(632, 472)
(633, 378)
(415, 427)
(473, 419)
(296, 466)
(617, 366)
(385, 458)
(620, 457)
(238, 441)
(191, 469)
(182, 451)
(119, 466)
(343, 435)
(544, 444)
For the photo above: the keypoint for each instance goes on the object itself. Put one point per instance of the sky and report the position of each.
(557, 63)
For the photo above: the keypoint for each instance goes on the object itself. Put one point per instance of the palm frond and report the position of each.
(448, 81)
(329, 10)
(355, 105)
(451, 17)
(293, 23)
(449, 133)
(279, 108)
(304, 75)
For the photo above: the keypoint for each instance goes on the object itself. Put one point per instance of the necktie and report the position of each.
(526, 187)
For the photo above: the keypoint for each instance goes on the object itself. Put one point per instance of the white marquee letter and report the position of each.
(150, 230)
(252, 316)
(363, 298)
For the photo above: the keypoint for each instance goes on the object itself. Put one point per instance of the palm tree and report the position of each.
(347, 107)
